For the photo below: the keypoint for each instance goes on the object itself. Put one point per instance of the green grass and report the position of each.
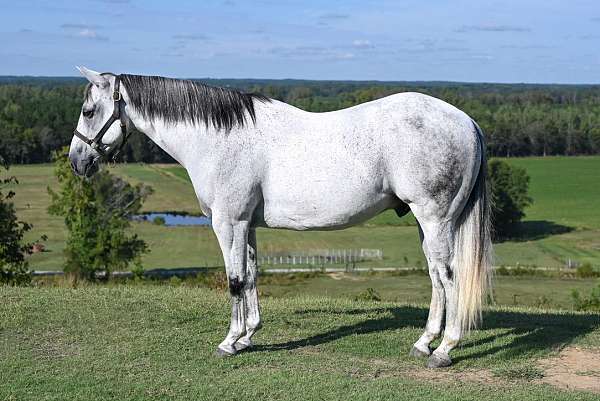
(543, 292)
(157, 343)
(565, 191)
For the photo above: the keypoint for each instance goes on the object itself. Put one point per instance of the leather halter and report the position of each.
(96, 142)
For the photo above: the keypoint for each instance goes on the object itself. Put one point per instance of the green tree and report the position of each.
(97, 214)
(509, 188)
(13, 266)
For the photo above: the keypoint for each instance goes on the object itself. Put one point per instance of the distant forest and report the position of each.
(37, 115)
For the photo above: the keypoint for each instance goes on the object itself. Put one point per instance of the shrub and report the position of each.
(13, 266)
(97, 214)
(586, 271)
(368, 295)
(159, 221)
(591, 303)
(509, 190)
(214, 280)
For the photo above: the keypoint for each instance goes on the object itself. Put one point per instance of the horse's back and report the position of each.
(345, 166)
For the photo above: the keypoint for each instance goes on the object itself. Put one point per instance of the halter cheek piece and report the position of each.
(96, 142)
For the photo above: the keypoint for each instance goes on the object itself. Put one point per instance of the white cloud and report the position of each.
(362, 44)
(312, 53)
(192, 36)
(78, 26)
(85, 31)
(492, 28)
(90, 34)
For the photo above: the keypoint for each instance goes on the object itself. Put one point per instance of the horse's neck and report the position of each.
(182, 141)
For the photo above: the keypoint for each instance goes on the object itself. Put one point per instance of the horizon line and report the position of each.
(324, 80)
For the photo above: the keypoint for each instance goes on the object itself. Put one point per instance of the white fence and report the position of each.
(320, 257)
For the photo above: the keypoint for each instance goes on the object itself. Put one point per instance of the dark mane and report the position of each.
(178, 100)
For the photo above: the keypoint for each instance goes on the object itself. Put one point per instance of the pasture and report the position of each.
(158, 342)
(562, 224)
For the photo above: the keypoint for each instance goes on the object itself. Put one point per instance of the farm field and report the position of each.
(562, 224)
(157, 342)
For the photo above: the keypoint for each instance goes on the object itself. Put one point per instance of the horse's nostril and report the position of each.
(73, 166)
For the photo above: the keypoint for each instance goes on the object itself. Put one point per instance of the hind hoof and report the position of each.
(417, 353)
(223, 353)
(437, 361)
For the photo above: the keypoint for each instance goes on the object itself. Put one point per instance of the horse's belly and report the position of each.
(324, 213)
(324, 183)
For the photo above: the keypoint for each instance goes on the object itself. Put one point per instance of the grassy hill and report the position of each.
(563, 223)
(158, 343)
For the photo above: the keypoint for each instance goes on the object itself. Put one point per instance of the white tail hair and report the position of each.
(472, 260)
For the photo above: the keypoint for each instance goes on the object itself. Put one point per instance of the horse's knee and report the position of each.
(251, 260)
(236, 286)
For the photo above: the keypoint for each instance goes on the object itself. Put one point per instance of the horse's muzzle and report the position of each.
(85, 168)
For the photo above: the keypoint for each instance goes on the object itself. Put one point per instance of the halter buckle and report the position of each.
(116, 96)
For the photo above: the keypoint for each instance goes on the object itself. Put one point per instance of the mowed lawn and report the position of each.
(562, 224)
(158, 343)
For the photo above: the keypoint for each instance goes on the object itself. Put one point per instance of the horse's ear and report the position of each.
(94, 77)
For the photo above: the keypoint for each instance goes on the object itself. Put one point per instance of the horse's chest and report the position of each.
(206, 210)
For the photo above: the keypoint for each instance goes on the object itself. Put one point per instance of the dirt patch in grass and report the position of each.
(54, 345)
(574, 369)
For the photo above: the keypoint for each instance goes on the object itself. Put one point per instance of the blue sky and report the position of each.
(464, 40)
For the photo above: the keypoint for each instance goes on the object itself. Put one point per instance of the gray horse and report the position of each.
(257, 162)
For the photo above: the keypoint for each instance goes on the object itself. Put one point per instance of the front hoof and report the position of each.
(437, 361)
(225, 352)
(417, 353)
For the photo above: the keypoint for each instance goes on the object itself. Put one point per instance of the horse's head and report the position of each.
(101, 129)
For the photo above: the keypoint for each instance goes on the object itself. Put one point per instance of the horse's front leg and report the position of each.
(253, 322)
(233, 238)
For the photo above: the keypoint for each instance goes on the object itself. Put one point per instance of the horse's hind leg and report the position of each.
(439, 236)
(433, 328)
(250, 295)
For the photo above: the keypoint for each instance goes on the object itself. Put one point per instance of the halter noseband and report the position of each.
(96, 142)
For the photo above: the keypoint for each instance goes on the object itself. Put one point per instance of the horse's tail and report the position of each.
(472, 260)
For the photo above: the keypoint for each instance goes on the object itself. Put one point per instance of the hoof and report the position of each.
(242, 345)
(222, 353)
(437, 361)
(417, 353)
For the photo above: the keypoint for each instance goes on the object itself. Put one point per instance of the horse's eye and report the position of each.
(88, 113)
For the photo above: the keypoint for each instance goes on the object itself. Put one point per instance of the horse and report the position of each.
(258, 162)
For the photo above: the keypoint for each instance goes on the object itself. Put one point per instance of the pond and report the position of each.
(173, 219)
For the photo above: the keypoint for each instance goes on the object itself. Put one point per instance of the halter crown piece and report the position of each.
(96, 142)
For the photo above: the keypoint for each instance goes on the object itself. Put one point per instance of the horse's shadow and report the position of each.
(522, 333)
(532, 230)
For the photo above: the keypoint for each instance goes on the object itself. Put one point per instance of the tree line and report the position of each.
(37, 115)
